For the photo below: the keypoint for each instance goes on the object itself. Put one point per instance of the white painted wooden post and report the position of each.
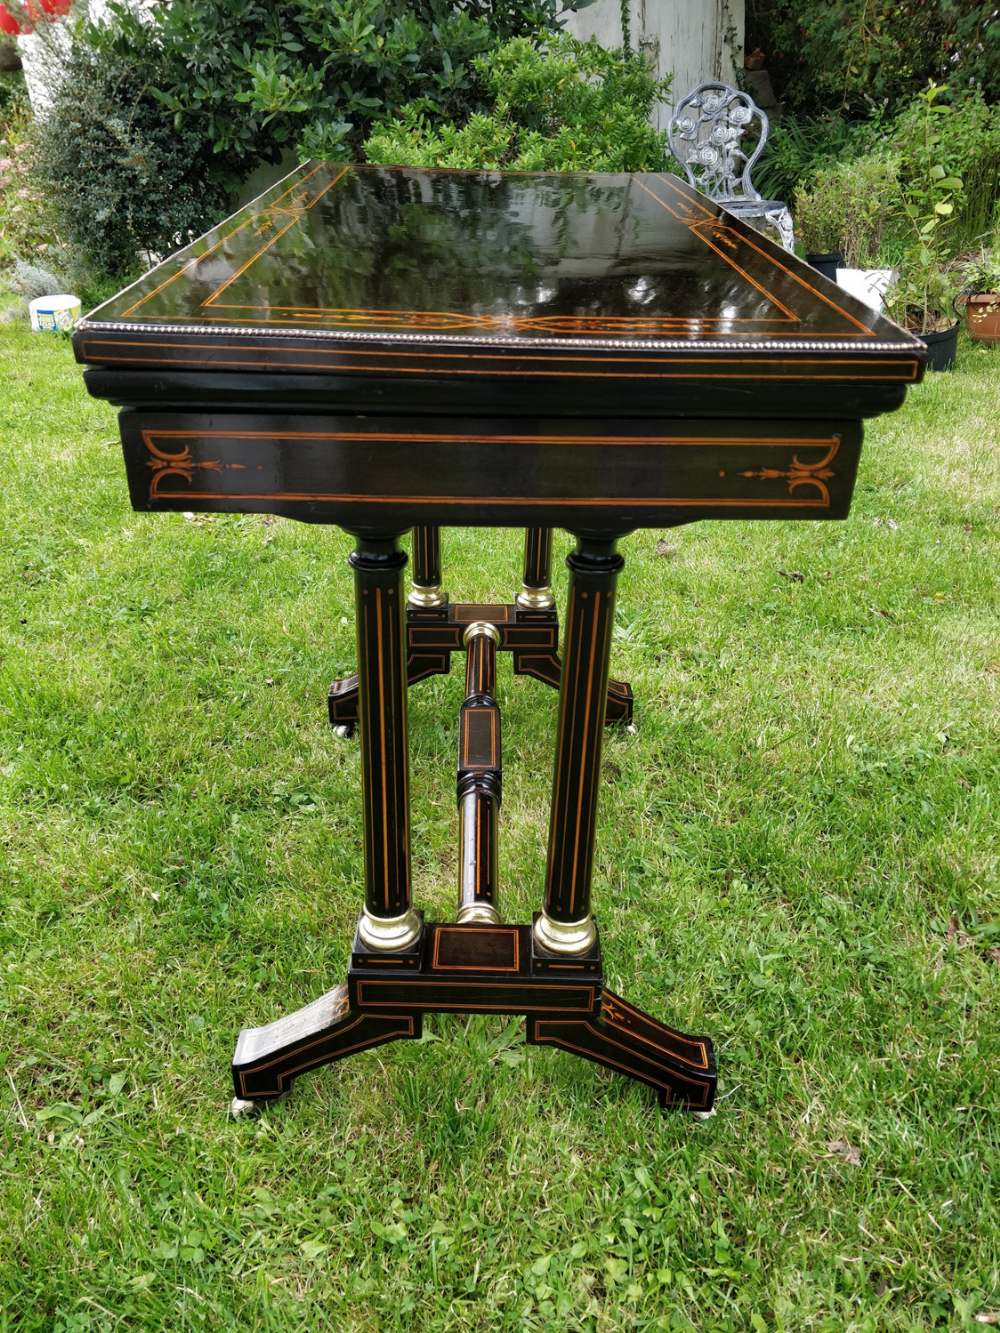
(42, 57)
(694, 40)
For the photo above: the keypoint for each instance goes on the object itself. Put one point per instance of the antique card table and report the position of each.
(391, 349)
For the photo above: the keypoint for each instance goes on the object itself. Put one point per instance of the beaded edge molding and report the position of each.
(457, 340)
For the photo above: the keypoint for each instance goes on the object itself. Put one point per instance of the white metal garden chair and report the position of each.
(706, 136)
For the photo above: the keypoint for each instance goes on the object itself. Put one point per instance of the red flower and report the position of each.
(36, 11)
(8, 23)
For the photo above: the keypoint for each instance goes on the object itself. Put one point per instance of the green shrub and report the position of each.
(257, 78)
(921, 297)
(568, 106)
(31, 280)
(847, 208)
(957, 136)
(936, 137)
(796, 148)
(922, 294)
(854, 54)
(27, 221)
(122, 178)
(981, 274)
(13, 95)
(163, 114)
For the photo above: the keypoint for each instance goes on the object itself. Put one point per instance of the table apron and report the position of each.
(389, 473)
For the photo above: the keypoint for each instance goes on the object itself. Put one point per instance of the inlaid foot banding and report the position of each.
(470, 968)
(679, 1068)
(268, 1058)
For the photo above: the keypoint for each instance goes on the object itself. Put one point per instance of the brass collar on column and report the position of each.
(483, 629)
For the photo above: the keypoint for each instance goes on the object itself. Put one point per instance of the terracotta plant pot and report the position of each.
(982, 316)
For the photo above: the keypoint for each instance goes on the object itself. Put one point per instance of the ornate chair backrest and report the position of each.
(706, 133)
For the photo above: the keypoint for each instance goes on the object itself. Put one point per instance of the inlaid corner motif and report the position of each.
(181, 464)
(800, 475)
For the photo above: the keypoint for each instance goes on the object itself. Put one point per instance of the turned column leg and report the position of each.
(426, 588)
(565, 924)
(479, 778)
(388, 920)
(536, 594)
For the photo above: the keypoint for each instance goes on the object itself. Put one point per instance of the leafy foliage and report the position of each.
(966, 142)
(256, 79)
(122, 178)
(26, 223)
(921, 295)
(797, 147)
(837, 55)
(13, 95)
(163, 113)
(982, 274)
(846, 209)
(32, 280)
(884, 179)
(938, 137)
(569, 106)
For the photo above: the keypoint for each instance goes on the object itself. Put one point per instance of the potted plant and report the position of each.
(841, 217)
(921, 299)
(922, 295)
(819, 225)
(981, 296)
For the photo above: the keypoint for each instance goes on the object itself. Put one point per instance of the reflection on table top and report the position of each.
(402, 254)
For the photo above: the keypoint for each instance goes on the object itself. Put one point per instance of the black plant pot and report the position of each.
(941, 347)
(827, 264)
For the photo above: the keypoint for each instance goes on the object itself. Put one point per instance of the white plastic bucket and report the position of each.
(54, 313)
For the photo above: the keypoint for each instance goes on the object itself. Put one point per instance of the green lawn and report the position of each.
(798, 854)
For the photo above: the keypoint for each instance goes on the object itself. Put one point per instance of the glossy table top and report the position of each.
(396, 273)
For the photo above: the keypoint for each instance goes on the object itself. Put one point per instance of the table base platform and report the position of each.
(475, 968)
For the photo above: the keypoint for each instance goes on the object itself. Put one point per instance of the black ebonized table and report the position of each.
(391, 349)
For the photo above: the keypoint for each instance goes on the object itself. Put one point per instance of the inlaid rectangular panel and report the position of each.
(393, 472)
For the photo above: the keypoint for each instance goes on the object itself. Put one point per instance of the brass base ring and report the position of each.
(429, 595)
(473, 912)
(536, 599)
(570, 937)
(481, 629)
(389, 933)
